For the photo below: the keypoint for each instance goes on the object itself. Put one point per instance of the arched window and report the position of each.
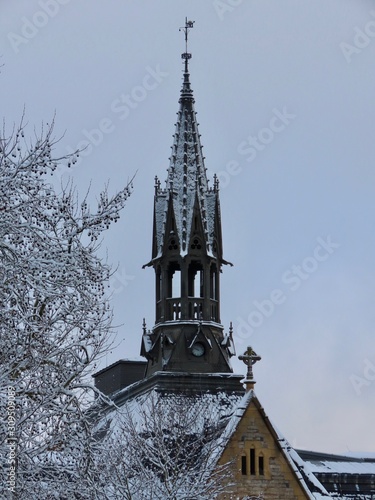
(196, 280)
(174, 280)
(261, 464)
(176, 284)
(256, 464)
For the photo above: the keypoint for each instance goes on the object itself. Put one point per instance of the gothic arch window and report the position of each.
(261, 464)
(196, 280)
(252, 462)
(174, 280)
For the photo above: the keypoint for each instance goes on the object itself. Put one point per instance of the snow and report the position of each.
(342, 467)
(303, 473)
(224, 412)
(187, 181)
(217, 407)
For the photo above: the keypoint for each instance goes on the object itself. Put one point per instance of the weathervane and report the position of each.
(188, 25)
(249, 357)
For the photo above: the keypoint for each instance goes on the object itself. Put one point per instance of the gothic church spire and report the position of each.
(187, 255)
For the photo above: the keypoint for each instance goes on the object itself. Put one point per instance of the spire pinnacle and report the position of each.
(186, 90)
(186, 55)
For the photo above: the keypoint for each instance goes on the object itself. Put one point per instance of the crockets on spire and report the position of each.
(187, 201)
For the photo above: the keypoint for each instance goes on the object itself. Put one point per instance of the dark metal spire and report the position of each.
(195, 205)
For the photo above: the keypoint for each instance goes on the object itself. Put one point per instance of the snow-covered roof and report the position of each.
(306, 478)
(224, 411)
(213, 409)
(325, 463)
(220, 410)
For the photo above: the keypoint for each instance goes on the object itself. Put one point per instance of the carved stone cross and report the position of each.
(249, 357)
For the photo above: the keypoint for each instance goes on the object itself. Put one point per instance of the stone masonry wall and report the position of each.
(276, 481)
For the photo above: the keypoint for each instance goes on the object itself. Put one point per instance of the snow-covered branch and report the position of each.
(54, 319)
(163, 447)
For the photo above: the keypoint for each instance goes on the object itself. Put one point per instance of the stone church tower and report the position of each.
(187, 256)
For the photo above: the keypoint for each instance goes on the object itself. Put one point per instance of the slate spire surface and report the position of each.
(186, 186)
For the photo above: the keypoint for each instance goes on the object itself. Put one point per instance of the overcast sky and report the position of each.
(285, 99)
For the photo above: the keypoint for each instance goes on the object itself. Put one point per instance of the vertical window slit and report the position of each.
(261, 465)
(252, 461)
(243, 465)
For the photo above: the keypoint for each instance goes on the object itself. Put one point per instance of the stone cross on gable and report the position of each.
(249, 357)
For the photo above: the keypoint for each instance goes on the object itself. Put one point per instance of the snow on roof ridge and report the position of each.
(297, 464)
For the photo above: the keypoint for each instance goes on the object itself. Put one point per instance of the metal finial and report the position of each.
(144, 326)
(186, 55)
(186, 29)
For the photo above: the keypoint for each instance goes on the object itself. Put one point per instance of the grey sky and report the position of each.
(284, 95)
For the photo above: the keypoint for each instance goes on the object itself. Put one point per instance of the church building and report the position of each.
(188, 351)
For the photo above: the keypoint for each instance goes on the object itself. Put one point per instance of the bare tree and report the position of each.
(165, 447)
(54, 322)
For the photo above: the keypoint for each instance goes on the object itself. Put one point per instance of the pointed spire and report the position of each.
(187, 179)
(193, 205)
